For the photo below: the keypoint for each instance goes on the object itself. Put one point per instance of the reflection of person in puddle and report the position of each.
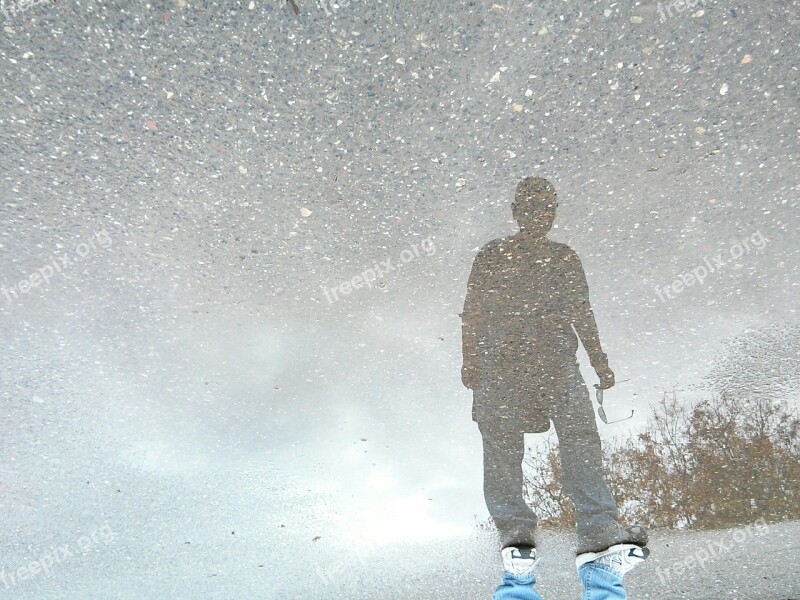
(525, 294)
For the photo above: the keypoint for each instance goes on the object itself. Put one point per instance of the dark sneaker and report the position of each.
(620, 558)
(519, 560)
(612, 536)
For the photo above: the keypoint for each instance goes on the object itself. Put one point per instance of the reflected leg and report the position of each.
(582, 461)
(503, 452)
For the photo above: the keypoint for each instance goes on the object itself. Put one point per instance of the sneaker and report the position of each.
(620, 558)
(612, 536)
(519, 560)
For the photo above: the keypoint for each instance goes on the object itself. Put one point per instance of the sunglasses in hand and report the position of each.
(602, 412)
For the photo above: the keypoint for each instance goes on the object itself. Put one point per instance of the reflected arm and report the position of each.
(473, 313)
(582, 315)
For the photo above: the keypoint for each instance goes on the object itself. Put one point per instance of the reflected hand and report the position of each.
(470, 376)
(606, 377)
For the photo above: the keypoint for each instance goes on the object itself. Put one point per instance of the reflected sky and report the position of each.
(243, 161)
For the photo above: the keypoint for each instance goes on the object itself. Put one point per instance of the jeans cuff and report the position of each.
(520, 579)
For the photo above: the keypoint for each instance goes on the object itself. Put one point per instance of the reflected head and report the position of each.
(534, 206)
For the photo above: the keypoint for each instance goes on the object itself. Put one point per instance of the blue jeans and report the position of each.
(598, 581)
